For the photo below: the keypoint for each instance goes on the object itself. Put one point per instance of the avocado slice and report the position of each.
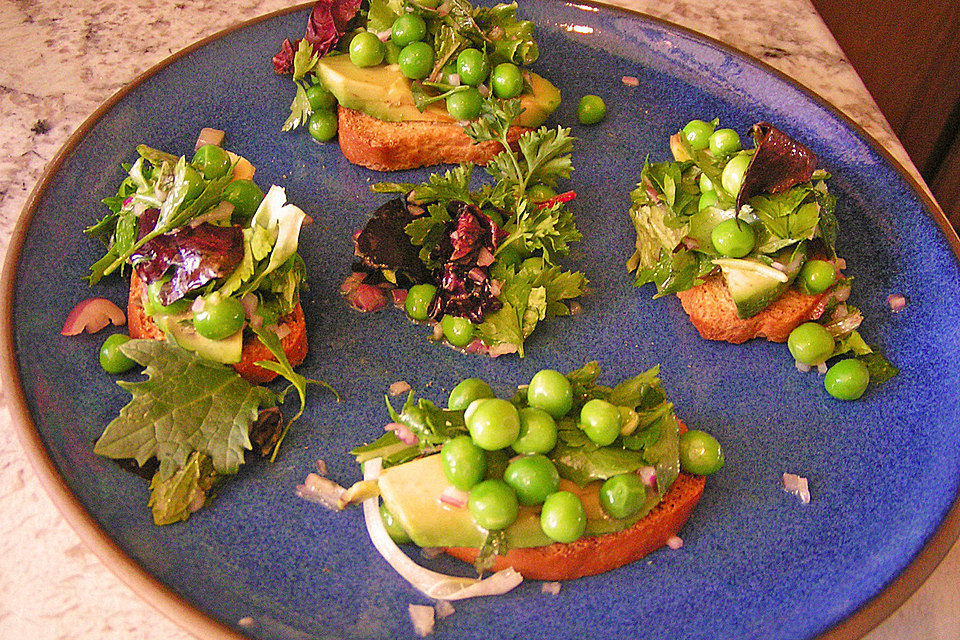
(383, 92)
(753, 285)
(412, 492)
(226, 351)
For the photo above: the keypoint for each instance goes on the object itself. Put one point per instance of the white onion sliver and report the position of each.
(432, 584)
(422, 618)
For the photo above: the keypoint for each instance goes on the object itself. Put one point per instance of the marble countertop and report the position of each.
(60, 59)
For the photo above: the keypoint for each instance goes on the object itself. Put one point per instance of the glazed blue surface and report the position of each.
(755, 562)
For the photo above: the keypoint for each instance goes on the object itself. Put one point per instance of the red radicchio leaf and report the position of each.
(779, 163)
(329, 20)
(197, 254)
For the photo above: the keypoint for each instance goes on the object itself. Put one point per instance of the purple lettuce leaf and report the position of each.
(779, 163)
(328, 21)
(196, 255)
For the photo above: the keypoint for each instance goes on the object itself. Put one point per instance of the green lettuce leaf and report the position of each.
(175, 498)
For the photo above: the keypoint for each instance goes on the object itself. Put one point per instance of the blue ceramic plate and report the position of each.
(883, 471)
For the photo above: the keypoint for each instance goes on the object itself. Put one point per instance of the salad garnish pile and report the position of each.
(480, 264)
(563, 458)
(219, 264)
(763, 220)
(448, 54)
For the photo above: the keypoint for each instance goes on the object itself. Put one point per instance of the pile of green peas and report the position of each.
(811, 344)
(530, 478)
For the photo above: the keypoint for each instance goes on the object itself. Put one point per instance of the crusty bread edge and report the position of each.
(294, 343)
(391, 146)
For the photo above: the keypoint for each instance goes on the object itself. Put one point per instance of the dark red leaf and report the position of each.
(779, 163)
(196, 254)
(328, 21)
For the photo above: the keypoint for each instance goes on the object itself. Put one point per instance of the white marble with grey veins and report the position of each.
(60, 59)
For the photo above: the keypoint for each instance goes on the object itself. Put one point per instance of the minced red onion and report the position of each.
(403, 432)
(437, 333)
(553, 588)
(648, 475)
(454, 497)
(502, 349)
(484, 90)
(384, 35)
(367, 298)
(282, 330)
(801, 367)
(822, 368)
(422, 618)
(443, 609)
(484, 257)
(476, 346)
(321, 491)
(92, 315)
(454, 79)
(798, 486)
(321, 467)
(575, 308)
(399, 297)
(630, 81)
(843, 293)
(896, 302)
(690, 243)
(674, 542)
(209, 136)
(398, 387)
(352, 281)
(198, 305)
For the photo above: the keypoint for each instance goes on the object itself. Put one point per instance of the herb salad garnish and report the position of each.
(484, 261)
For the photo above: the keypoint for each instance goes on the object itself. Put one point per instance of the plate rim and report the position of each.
(198, 622)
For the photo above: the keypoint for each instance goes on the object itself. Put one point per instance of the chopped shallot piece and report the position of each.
(398, 387)
(802, 368)
(209, 136)
(454, 497)
(896, 302)
(674, 542)
(399, 297)
(648, 475)
(822, 368)
(630, 81)
(443, 609)
(322, 491)
(403, 432)
(91, 315)
(553, 588)
(422, 618)
(798, 486)
(367, 298)
(321, 467)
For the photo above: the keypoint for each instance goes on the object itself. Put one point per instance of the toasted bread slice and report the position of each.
(390, 146)
(294, 342)
(591, 555)
(714, 314)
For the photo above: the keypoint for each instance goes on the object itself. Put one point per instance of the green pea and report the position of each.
(507, 80)
(473, 67)
(622, 495)
(733, 238)
(818, 275)
(457, 331)
(533, 478)
(419, 299)
(416, 60)
(407, 29)
(154, 307)
(700, 453)
(219, 318)
(847, 379)
(245, 196)
(731, 178)
(600, 420)
(551, 391)
(591, 109)
(707, 199)
(192, 182)
(723, 142)
(466, 392)
(538, 431)
(320, 98)
(563, 517)
(464, 463)
(810, 344)
(212, 161)
(397, 533)
(493, 423)
(323, 125)
(493, 505)
(540, 193)
(112, 359)
(697, 134)
(366, 50)
(464, 104)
